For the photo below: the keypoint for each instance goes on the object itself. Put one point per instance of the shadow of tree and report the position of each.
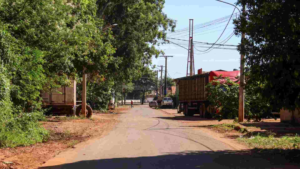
(194, 118)
(256, 158)
(278, 129)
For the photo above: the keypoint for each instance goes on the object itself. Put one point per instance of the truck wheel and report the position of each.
(178, 109)
(185, 110)
(202, 110)
(190, 113)
(89, 111)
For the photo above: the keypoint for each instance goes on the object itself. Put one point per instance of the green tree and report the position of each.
(272, 30)
(146, 83)
(141, 24)
(224, 101)
(170, 82)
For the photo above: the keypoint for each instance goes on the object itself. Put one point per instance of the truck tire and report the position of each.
(185, 110)
(202, 110)
(89, 111)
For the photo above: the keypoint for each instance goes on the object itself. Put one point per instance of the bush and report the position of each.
(17, 129)
(224, 100)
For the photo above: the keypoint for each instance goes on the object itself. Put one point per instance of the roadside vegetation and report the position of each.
(259, 140)
(224, 100)
(271, 142)
(45, 44)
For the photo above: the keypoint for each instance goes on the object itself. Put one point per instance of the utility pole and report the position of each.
(242, 73)
(190, 69)
(161, 88)
(166, 69)
(157, 82)
(83, 94)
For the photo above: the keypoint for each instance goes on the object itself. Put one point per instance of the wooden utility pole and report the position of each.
(242, 73)
(157, 82)
(166, 69)
(161, 88)
(83, 108)
(242, 76)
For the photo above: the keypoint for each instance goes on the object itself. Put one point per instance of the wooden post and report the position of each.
(83, 110)
(242, 79)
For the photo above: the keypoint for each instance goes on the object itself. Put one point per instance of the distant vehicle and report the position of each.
(153, 104)
(167, 101)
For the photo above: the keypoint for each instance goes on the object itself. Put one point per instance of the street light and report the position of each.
(242, 75)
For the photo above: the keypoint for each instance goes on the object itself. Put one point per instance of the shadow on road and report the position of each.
(257, 158)
(279, 129)
(194, 118)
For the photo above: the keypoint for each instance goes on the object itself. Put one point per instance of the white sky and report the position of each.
(201, 11)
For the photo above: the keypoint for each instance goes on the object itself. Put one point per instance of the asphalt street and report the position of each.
(147, 138)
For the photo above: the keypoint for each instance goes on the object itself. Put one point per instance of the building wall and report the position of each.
(286, 116)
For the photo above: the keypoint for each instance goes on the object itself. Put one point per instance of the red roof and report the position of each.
(228, 74)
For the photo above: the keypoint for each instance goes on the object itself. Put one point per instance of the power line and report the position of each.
(203, 42)
(201, 46)
(221, 33)
(203, 25)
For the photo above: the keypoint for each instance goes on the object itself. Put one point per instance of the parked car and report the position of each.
(153, 104)
(167, 101)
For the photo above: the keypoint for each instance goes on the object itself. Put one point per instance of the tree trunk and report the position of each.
(143, 98)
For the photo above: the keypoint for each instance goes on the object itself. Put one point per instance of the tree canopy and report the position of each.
(44, 44)
(272, 48)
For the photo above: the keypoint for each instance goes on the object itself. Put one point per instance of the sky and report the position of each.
(201, 11)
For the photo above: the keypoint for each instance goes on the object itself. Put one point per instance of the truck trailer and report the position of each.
(193, 93)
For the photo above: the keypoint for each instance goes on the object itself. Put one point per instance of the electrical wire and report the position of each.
(201, 46)
(221, 33)
(203, 25)
(195, 42)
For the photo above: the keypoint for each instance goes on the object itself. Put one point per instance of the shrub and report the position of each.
(224, 100)
(17, 129)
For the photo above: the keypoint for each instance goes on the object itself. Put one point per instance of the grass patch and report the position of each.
(271, 142)
(229, 127)
(72, 143)
(60, 135)
(63, 118)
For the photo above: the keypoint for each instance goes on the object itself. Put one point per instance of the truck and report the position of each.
(62, 101)
(193, 93)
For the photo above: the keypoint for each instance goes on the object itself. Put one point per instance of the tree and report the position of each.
(272, 48)
(146, 83)
(224, 101)
(45, 42)
(141, 23)
(170, 82)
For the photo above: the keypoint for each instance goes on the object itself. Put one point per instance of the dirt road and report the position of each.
(147, 138)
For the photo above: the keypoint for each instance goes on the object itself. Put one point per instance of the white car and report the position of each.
(167, 101)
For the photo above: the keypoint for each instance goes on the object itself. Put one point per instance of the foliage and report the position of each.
(17, 129)
(272, 30)
(271, 142)
(224, 100)
(175, 98)
(146, 83)
(98, 93)
(141, 23)
(44, 44)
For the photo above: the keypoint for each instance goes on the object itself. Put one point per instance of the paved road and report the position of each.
(147, 138)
